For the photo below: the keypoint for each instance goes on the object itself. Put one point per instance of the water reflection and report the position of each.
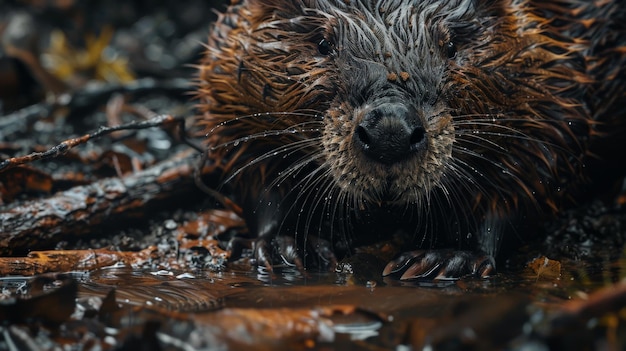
(280, 275)
(327, 307)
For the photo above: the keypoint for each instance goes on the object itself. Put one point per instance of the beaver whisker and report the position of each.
(337, 215)
(326, 186)
(491, 127)
(315, 115)
(276, 122)
(308, 182)
(264, 134)
(480, 134)
(498, 121)
(337, 211)
(429, 227)
(485, 144)
(346, 210)
(482, 141)
(453, 191)
(496, 118)
(502, 191)
(283, 150)
(457, 187)
(461, 181)
(293, 169)
(296, 146)
(481, 157)
(419, 205)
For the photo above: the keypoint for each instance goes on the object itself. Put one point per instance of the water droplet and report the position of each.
(170, 224)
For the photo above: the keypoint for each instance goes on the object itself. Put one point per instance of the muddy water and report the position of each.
(546, 305)
(288, 310)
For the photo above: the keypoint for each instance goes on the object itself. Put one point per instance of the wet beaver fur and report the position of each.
(339, 123)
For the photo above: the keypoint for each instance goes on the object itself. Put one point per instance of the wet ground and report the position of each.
(120, 308)
(143, 265)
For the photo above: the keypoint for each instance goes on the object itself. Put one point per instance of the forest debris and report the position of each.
(476, 323)
(79, 104)
(50, 307)
(41, 223)
(69, 63)
(544, 268)
(273, 328)
(211, 223)
(38, 262)
(65, 146)
(576, 324)
(610, 299)
(196, 248)
(23, 179)
(20, 40)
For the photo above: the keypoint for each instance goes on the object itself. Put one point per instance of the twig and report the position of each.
(88, 99)
(65, 146)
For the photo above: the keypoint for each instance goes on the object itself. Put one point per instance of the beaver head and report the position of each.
(395, 101)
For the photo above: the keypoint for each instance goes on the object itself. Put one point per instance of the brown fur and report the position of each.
(529, 96)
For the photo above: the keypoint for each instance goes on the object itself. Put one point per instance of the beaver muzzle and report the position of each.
(391, 132)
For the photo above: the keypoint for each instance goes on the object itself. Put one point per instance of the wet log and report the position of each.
(41, 223)
(39, 262)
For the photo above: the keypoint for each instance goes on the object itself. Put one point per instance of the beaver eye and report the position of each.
(324, 47)
(450, 48)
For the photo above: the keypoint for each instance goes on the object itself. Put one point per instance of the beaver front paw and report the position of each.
(279, 251)
(284, 251)
(440, 264)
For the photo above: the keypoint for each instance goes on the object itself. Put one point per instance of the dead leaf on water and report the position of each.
(544, 268)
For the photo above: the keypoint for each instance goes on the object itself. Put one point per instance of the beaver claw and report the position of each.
(280, 251)
(283, 251)
(440, 264)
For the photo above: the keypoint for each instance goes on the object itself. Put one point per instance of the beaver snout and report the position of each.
(390, 132)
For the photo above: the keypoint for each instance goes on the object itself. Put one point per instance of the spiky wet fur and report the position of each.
(511, 115)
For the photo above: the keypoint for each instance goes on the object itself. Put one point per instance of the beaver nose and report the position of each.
(390, 132)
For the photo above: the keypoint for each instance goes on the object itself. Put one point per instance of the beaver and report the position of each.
(341, 122)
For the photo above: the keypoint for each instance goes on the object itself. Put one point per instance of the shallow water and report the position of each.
(289, 310)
